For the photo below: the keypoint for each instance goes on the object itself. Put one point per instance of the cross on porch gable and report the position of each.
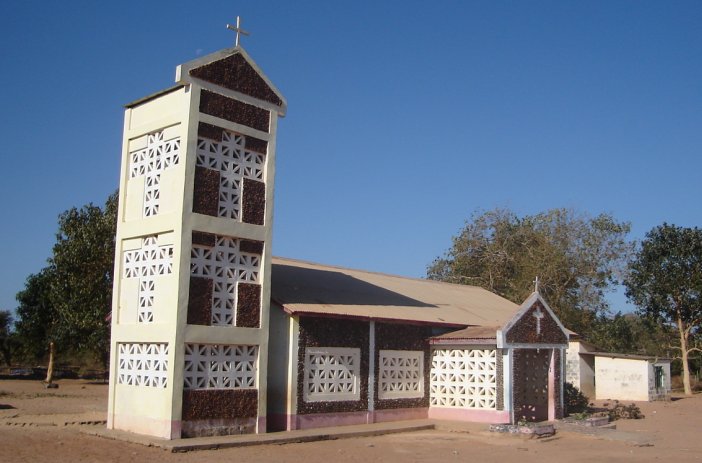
(146, 264)
(538, 314)
(227, 266)
(234, 163)
(158, 156)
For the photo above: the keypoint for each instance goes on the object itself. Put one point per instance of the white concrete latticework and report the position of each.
(212, 366)
(464, 378)
(401, 374)
(332, 374)
(234, 163)
(226, 266)
(146, 264)
(143, 364)
(158, 156)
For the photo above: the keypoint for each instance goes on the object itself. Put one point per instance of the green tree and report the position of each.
(577, 258)
(37, 319)
(6, 336)
(665, 282)
(67, 302)
(630, 334)
(82, 268)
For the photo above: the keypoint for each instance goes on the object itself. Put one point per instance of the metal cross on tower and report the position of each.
(239, 31)
(536, 284)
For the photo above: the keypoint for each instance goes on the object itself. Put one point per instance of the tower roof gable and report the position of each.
(233, 69)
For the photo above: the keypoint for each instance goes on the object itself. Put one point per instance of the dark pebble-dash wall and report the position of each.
(329, 332)
(402, 337)
(525, 330)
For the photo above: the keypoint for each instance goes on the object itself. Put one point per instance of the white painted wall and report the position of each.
(622, 379)
(279, 343)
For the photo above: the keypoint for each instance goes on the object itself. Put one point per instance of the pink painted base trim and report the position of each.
(476, 416)
(323, 420)
(401, 414)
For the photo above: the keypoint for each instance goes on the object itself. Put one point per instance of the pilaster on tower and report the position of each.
(192, 262)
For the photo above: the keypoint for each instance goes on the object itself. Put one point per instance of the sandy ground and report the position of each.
(38, 424)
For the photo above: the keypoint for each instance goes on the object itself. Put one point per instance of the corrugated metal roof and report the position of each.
(472, 332)
(649, 358)
(309, 288)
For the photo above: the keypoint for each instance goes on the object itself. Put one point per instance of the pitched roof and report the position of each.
(309, 288)
(234, 70)
(650, 358)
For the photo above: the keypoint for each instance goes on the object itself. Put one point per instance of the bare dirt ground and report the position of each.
(38, 424)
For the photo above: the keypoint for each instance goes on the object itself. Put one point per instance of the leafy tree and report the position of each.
(6, 338)
(576, 257)
(665, 282)
(37, 319)
(630, 334)
(82, 269)
(66, 303)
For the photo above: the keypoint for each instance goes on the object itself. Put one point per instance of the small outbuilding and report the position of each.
(606, 375)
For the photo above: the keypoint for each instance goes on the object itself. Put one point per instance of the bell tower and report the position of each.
(191, 298)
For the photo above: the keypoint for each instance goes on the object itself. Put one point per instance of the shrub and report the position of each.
(574, 400)
(624, 412)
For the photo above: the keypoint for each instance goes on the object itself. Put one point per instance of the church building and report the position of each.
(211, 335)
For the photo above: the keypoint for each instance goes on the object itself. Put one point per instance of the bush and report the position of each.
(574, 400)
(624, 412)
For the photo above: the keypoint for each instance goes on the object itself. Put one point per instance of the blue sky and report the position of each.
(404, 116)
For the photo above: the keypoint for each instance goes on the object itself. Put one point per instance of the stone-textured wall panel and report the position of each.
(200, 301)
(248, 305)
(500, 380)
(235, 73)
(254, 247)
(210, 131)
(203, 238)
(328, 332)
(529, 330)
(256, 144)
(233, 110)
(201, 404)
(206, 191)
(254, 202)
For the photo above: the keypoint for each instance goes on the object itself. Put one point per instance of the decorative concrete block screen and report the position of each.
(234, 163)
(142, 364)
(464, 378)
(401, 374)
(146, 264)
(150, 162)
(212, 366)
(227, 264)
(332, 374)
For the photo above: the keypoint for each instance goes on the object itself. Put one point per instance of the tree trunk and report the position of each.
(683, 349)
(50, 368)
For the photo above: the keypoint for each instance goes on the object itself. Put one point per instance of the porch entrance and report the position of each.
(531, 384)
